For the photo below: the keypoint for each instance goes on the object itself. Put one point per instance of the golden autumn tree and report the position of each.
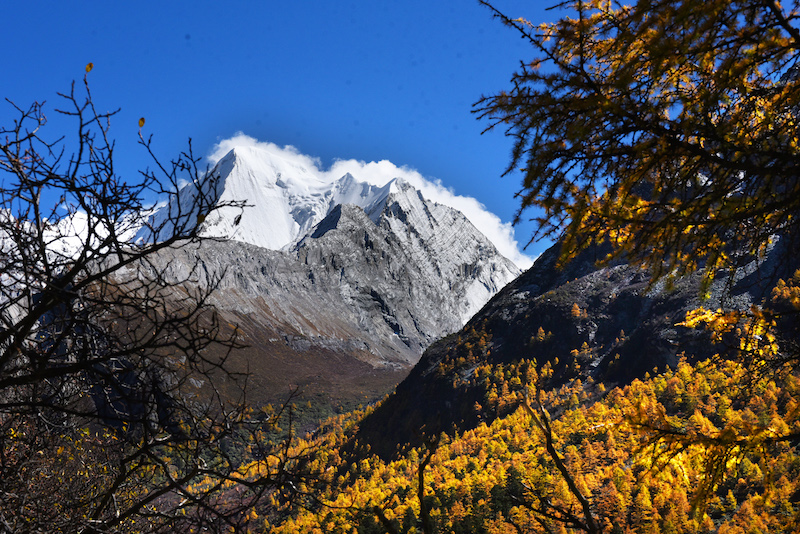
(669, 129)
(666, 127)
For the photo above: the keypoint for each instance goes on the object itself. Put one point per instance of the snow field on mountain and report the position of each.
(378, 174)
(284, 199)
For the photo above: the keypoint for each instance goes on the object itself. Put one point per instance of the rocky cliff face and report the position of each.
(345, 306)
(607, 323)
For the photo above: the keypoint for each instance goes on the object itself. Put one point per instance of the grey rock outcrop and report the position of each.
(350, 308)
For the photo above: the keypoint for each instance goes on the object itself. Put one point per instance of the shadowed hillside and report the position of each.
(606, 323)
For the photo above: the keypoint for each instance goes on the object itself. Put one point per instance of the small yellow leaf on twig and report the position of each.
(89, 66)
(141, 122)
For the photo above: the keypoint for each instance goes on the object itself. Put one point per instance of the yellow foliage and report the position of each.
(668, 129)
(626, 451)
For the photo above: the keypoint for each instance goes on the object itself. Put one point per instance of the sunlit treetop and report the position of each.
(668, 128)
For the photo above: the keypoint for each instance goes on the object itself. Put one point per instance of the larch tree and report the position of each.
(666, 127)
(669, 129)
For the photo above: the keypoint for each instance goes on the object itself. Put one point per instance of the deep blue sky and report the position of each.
(367, 80)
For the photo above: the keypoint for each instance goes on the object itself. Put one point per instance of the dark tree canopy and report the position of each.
(666, 127)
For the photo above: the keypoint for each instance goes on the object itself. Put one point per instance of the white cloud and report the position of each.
(288, 152)
(381, 172)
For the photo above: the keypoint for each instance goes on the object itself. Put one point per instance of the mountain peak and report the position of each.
(286, 199)
(287, 196)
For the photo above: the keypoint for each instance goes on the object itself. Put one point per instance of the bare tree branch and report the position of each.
(103, 426)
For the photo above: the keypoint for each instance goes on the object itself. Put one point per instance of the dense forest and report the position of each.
(685, 450)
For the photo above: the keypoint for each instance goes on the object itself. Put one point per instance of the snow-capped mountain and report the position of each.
(359, 273)
(285, 200)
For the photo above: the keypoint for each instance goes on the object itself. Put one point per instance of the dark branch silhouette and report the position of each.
(117, 411)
